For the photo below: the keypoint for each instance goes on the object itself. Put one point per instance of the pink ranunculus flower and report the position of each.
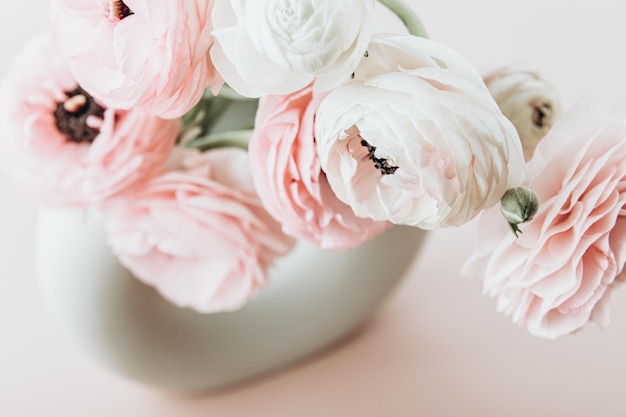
(151, 54)
(64, 147)
(560, 272)
(199, 234)
(280, 46)
(290, 182)
(416, 137)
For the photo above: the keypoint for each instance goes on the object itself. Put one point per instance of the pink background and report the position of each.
(437, 348)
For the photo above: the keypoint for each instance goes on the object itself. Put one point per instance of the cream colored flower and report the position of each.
(527, 100)
(280, 46)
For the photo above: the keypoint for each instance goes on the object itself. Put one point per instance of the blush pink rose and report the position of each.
(63, 146)
(560, 272)
(199, 234)
(291, 184)
(151, 54)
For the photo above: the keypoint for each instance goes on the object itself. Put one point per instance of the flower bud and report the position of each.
(527, 100)
(519, 205)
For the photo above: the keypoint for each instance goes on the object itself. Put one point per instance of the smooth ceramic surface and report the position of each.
(314, 298)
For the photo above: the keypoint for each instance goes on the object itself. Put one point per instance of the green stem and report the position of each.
(407, 15)
(228, 92)
(219, 105)
(201, 118)
(238, 138)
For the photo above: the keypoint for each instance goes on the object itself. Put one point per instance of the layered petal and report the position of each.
(66, 148)
(559, 273)
(288, 176)
(199, 234)
(139, 53)
(280, 46)
(416, 137)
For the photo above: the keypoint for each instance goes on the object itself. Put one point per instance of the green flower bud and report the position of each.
(519, 205)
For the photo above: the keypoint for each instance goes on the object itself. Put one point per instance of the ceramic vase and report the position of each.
(313, 299)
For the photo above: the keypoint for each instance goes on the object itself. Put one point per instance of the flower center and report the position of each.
(541, 112)
(118, 10)
(74, 116)
(381, 164)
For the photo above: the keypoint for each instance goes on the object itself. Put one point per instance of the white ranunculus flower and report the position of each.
(280, 46)
(416, 138)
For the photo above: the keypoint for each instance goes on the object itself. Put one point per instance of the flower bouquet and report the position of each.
(240, 183)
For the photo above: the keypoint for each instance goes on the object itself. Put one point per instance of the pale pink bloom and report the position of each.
(290, 182)
(151, 54)
(280, 46)
(416, 138)
(560, 272)
(64, 147)
(199, 234)
(527, 100)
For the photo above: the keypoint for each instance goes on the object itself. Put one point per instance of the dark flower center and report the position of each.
(118, 10)
(71, 116)
(381, 164)
(541, 112)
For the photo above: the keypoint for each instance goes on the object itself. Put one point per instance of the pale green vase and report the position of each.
(313, 299)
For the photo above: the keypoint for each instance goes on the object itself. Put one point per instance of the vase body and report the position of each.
(313, 298)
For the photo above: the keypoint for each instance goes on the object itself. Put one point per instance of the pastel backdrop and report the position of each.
(437, 348)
